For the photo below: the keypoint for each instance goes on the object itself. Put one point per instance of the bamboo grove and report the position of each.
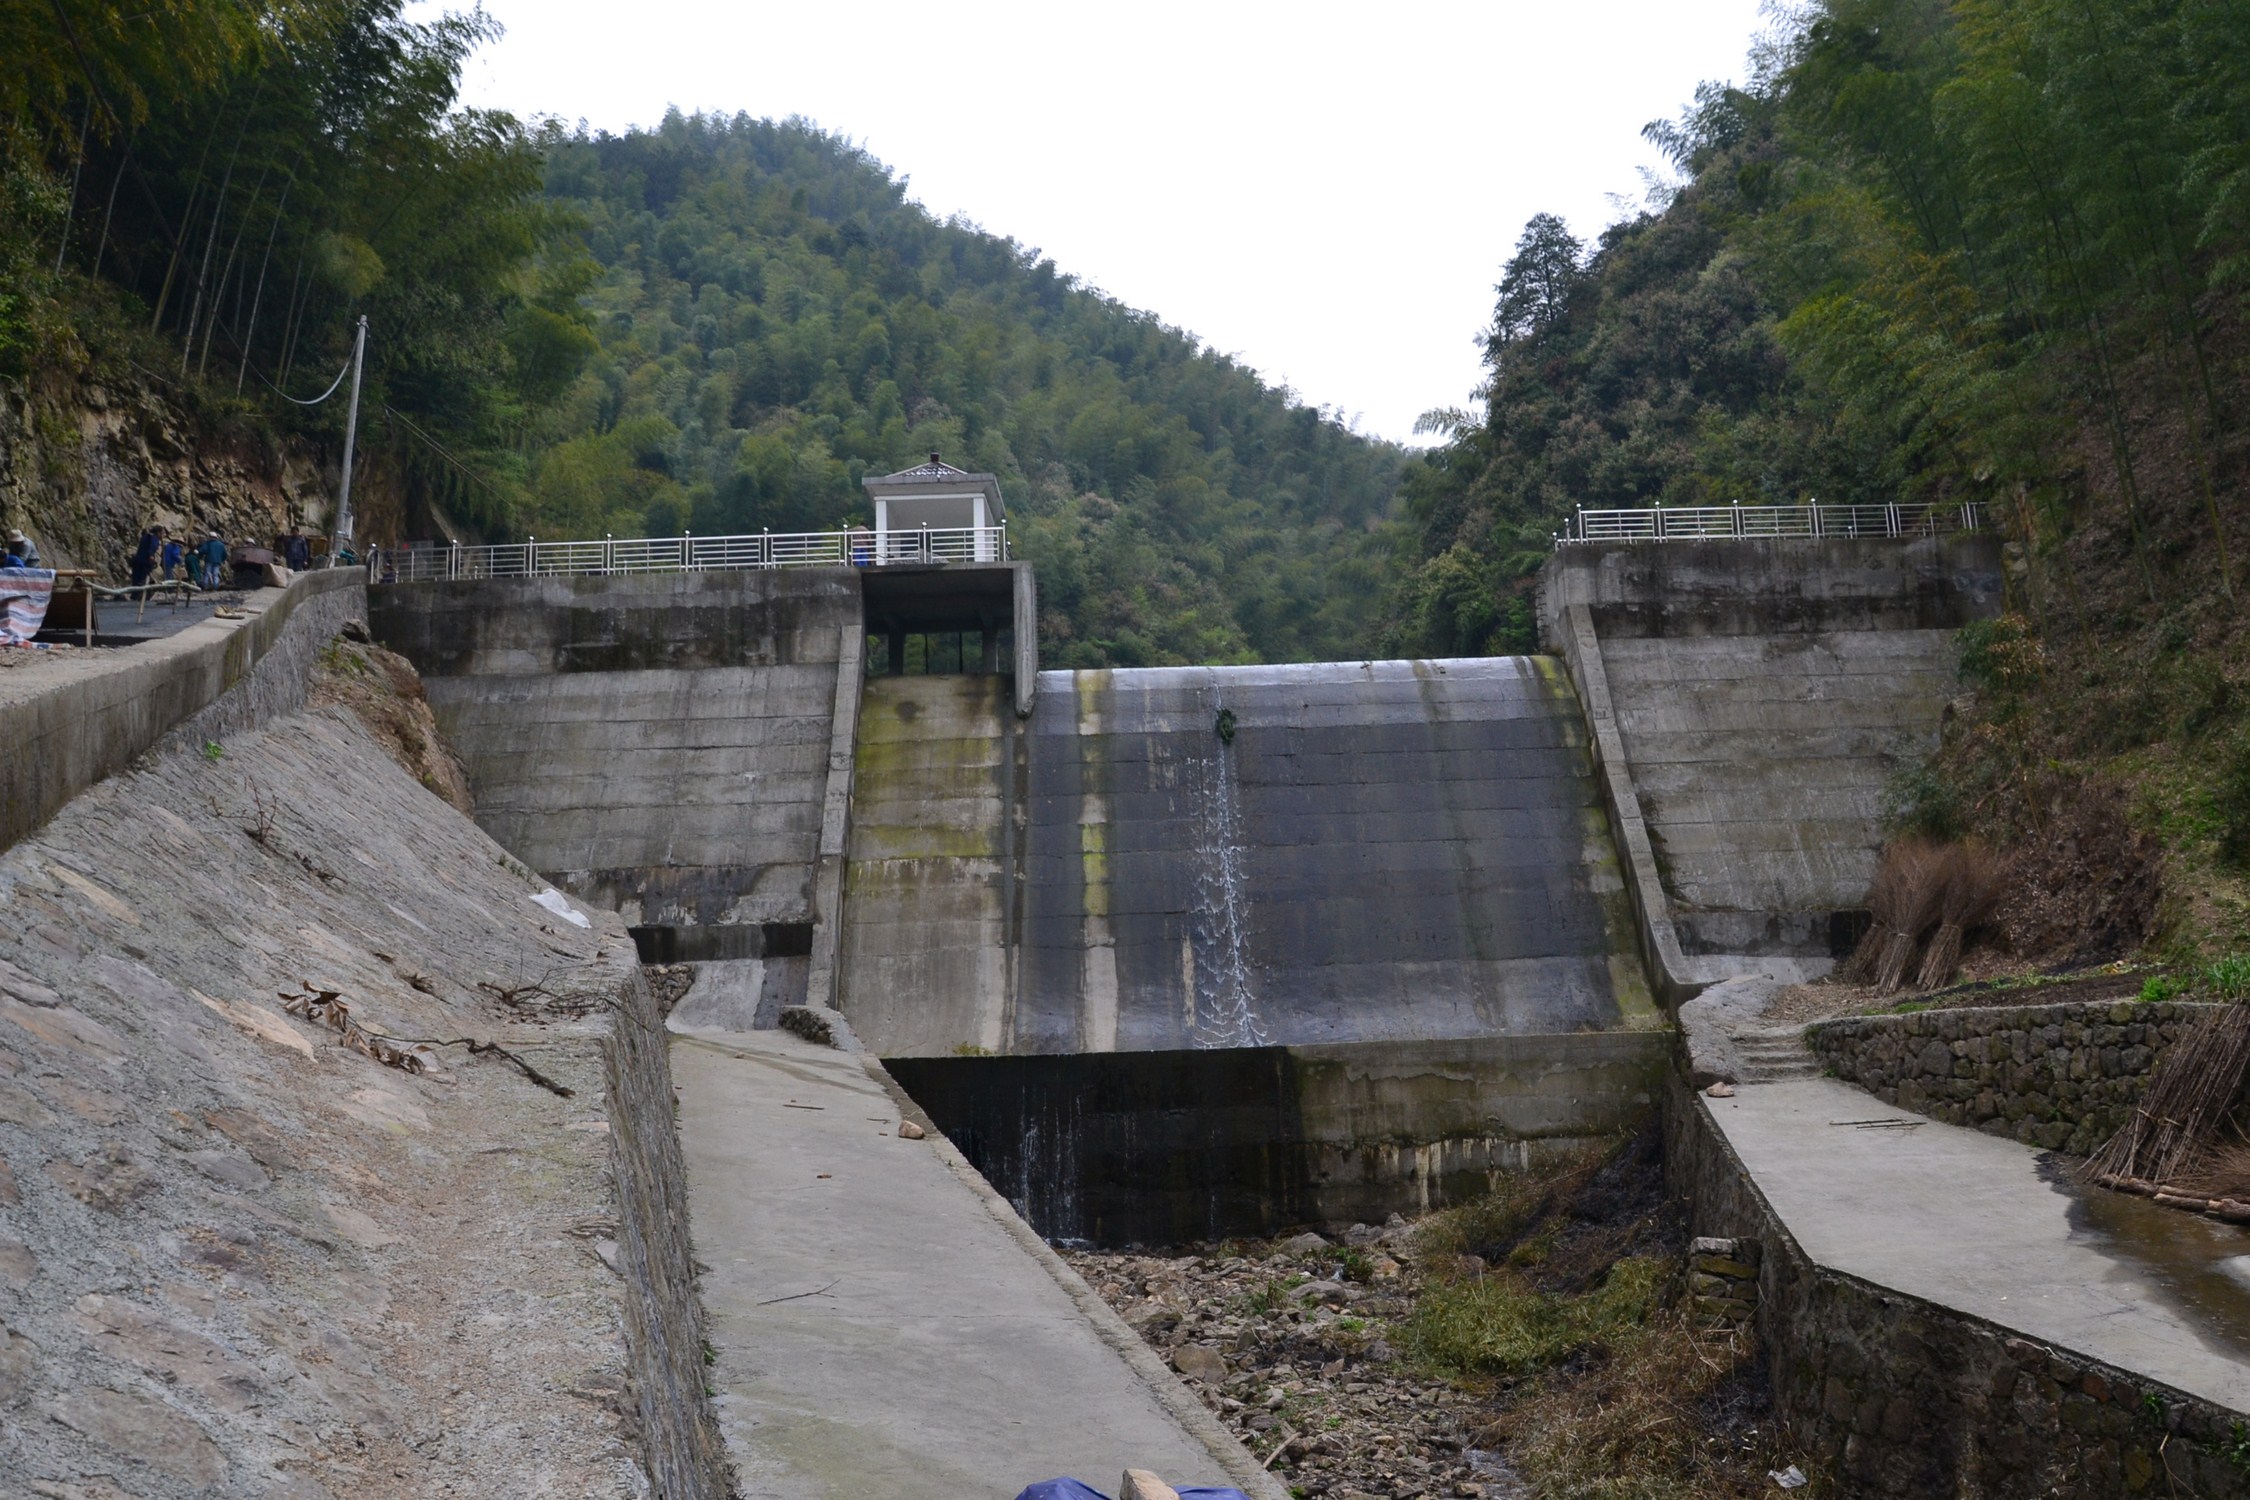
(219, 189)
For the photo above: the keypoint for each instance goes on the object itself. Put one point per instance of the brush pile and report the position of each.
(2181, 1119)
(1920, 884)
(1970, 893)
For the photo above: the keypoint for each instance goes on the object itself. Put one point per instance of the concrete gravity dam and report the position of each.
(1190, 951)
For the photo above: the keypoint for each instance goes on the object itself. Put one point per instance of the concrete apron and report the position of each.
(1983, 1226)
(884, 1324)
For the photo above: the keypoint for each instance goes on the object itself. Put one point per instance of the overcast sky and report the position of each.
(1326, 191)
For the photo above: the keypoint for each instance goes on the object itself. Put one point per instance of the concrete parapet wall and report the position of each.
(62, 741)
(1172, 1147)
(2062, 1077)
(1758, 587)
(1896, 1396)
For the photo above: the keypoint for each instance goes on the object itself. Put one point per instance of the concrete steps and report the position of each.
(1772, 1056)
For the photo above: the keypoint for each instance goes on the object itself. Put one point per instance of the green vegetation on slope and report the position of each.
(1987, 250)
(215, 191)
(1973, 249)
(719, 324)
(777, 319)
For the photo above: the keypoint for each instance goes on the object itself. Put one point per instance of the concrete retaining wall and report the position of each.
(64, 740)
(1171, 1147)
(654, 743)
(1761, 694)
(929, 883)
(1385, 850)
(1896, 1396)
(2063, 1077)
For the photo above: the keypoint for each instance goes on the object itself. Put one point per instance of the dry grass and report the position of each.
(1908, 895)
(1603, 1385)
(1673, 1410)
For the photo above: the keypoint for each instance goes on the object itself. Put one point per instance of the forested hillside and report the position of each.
(1936, 249)
(200, 200)
(777, 319)
(718, 324)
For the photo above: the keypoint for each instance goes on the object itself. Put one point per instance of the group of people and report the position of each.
(160, 554)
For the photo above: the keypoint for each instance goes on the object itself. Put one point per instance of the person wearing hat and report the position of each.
(212, 558)
(213, 555)
(20, 548)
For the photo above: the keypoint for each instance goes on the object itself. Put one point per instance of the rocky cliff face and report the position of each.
(87, 461)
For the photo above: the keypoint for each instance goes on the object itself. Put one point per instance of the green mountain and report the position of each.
(775, 319)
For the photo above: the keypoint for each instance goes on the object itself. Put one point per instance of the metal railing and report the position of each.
(1704, 522)
(693, 554)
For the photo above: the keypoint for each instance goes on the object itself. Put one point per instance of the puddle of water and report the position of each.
(2201, 1267)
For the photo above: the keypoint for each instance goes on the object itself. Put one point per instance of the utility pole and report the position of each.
(351, 436)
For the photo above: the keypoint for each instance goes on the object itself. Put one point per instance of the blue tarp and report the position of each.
(1073, 1489)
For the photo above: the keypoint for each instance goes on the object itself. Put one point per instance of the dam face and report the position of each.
(1158, 859)
(1253, 856)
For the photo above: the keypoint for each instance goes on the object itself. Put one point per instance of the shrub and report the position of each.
(1921, 802)
(2229, 978)
(2000, 656)
(1501, 1325)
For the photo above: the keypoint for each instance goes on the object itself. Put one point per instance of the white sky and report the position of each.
(1325, 191)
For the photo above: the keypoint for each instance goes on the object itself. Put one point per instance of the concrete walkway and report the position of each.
(1996, 1230)
(885, 1325)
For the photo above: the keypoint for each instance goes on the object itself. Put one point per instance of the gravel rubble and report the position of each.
(1294, 1345)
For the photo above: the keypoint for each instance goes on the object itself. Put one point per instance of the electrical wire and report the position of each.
(315, 401)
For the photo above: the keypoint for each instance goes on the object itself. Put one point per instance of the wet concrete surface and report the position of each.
(2200, 1266)
(1371, 850)
(1996, 1230)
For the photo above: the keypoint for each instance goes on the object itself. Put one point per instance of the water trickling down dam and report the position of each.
(1378, 850)
(1368, 851)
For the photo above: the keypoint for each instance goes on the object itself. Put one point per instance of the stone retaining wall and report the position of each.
(1890, 1395)
(2061, 1077)
(663, 1314)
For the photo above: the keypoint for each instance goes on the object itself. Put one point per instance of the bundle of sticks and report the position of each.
(1920, 883)
(2191, 1096)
